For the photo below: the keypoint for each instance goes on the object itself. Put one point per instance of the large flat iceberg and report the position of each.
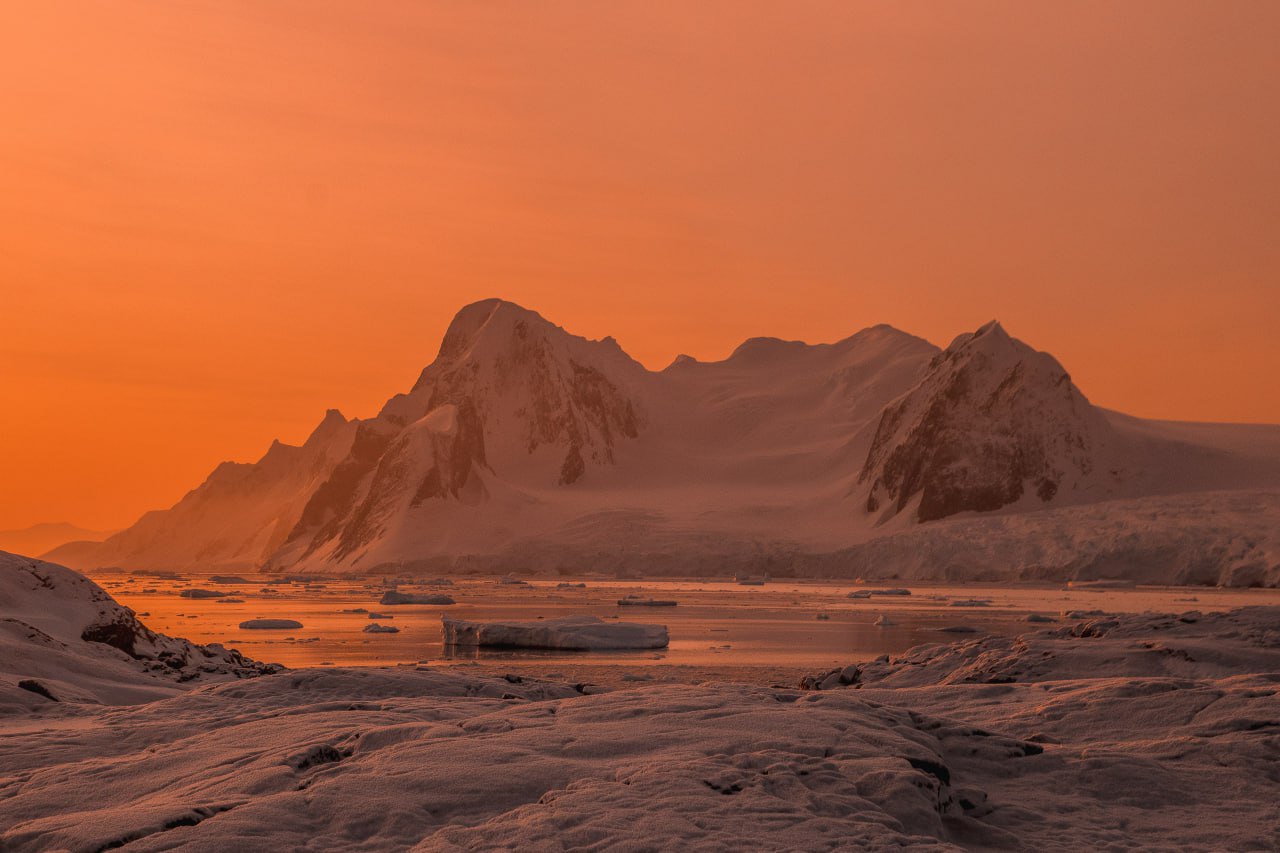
(393, 597)
(569, 633)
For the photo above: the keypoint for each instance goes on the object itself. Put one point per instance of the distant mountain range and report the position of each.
(39, 538)
(524, 447)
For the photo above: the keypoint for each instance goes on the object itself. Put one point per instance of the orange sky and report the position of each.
(219, 218)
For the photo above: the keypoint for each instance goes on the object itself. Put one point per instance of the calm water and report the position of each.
(715, 624)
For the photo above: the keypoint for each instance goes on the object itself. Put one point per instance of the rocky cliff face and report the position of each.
(991, 422)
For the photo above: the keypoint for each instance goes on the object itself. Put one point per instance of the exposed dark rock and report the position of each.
(990, 416)
(122, 635)
(36, 687)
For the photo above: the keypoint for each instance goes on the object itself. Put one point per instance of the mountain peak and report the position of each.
(766, 349)
(991, 327)
(680, 361)
(474, 321)
(992, 418)
(332, 421)
(991, 337)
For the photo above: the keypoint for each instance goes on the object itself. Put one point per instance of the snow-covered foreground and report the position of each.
(63, 637)
(1151, 732)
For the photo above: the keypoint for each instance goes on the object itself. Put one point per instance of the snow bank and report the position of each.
(1218, 538)
(63, 636)
(1113, 734)
(1189, 645)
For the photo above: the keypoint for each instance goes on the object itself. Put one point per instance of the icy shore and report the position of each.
(1107, 732)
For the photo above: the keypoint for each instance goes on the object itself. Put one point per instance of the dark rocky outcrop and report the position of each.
(991, 420)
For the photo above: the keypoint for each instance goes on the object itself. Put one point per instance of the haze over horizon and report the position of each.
(216, 223)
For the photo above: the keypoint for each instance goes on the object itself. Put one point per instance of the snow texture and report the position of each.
(1111, 733)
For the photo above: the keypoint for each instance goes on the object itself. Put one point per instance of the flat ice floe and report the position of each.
(270, 624)
(202, 593)
(393, 597)
(570, 633)
(641, 601)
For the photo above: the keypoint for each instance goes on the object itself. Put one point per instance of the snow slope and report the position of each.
(522, 444)
(64, 639)
(233, 520)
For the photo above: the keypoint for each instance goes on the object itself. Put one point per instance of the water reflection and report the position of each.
(805, 625)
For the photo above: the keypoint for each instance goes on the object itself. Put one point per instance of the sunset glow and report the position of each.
(218, 219)
(710, 425)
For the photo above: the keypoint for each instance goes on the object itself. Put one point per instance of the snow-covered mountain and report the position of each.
(993, 421)
(522, 446)
(240, 513)
(39, 538)
(511, 403)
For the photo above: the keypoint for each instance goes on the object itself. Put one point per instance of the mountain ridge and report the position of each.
(519, 431)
